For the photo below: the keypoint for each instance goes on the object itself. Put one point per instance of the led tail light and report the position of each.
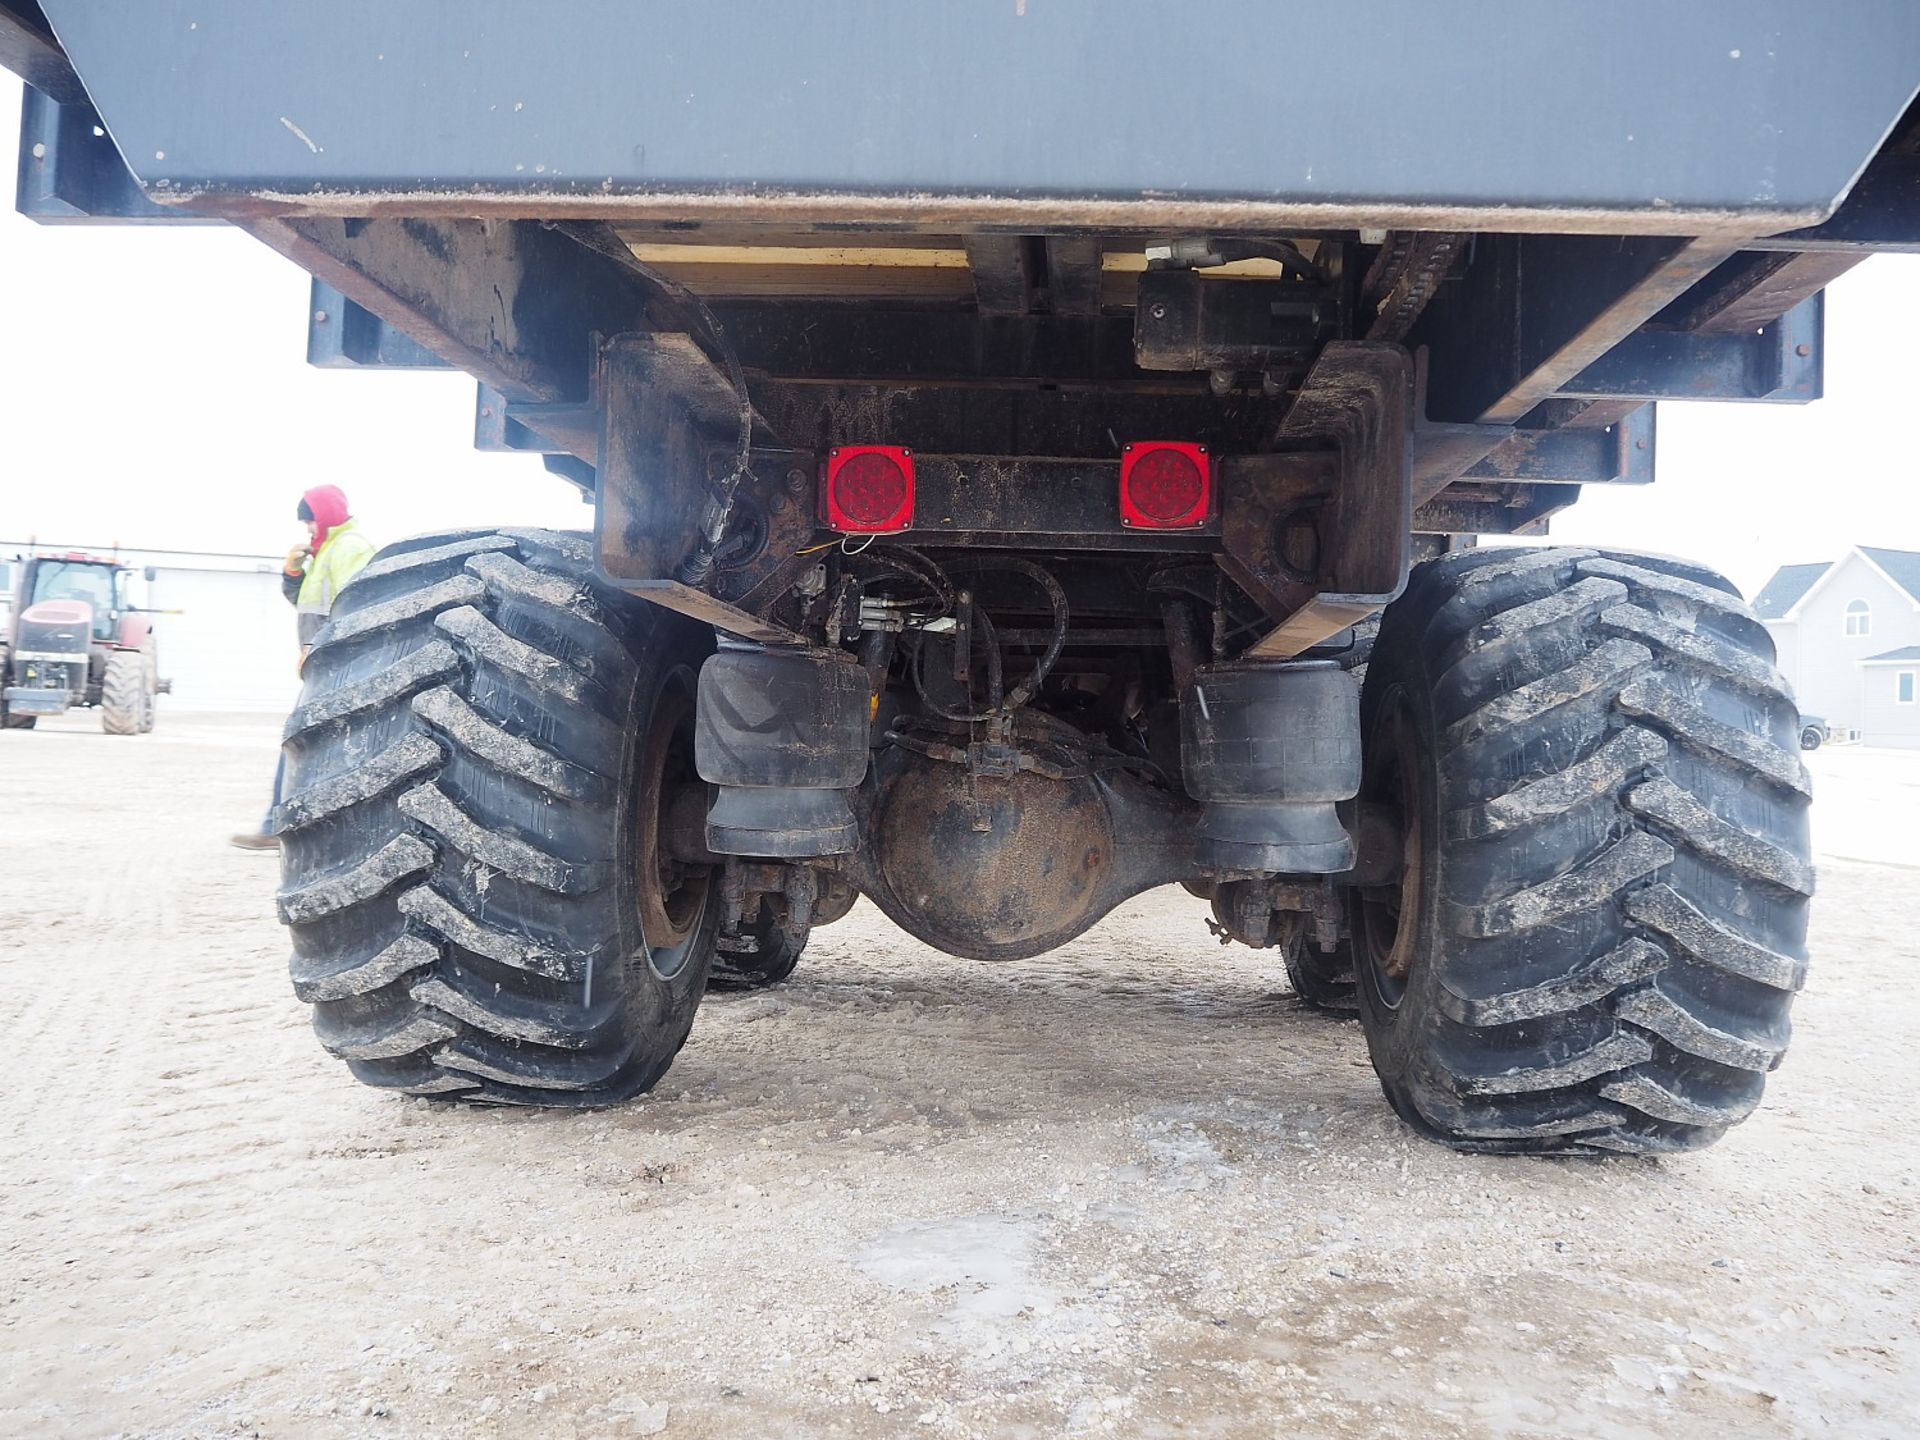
(1165, 485)
(869, 489)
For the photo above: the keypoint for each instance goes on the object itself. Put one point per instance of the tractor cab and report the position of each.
(99, 584)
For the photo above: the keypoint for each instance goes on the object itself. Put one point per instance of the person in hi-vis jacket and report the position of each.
(311, 579)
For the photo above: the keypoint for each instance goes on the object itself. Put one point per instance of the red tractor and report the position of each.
(76, 638)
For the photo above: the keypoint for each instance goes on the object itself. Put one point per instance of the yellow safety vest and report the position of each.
(339, 558)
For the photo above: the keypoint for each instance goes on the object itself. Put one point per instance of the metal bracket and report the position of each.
(533, 428)
(345, 335)
(1578, 454)
(1184, 321)
(1324, 548)
(70, 171)
(1780, 361)
(1009, 501)
(666, 410)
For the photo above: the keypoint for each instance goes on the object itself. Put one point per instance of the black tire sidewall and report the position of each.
(659, 1009)
(1569, 1020)
(587, 1019)
(1398, 1038)
(116, 719)
(1306, 970)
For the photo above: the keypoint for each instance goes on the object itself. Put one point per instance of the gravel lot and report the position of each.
(1129, 1188)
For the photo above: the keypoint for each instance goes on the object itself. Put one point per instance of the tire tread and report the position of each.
(1623, 897)
(468, 695)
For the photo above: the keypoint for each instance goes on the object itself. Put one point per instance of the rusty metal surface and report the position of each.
(1405, 277)
(1003, 272)
(1756, 288)
(992, 864)
(1002, 501)
(1532, 312)
(1575, 441)
(1493, 510)
(1073, 274)
(656, 431)
(511, 303)
(1006, 868)
(1185, 320)
(1378, 828)
(776, 505)
(1386, 913)
(1620, 453)
(665, 413)
(1592, 340)
(670, 883)
(1781, 362)
(1321, 561)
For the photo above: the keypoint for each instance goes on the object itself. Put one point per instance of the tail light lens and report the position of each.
(1165, 485)
(869, 489)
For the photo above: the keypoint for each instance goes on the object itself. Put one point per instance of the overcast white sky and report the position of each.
(155, 392)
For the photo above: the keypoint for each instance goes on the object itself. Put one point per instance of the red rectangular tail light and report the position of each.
(869, 490)
(1165, 485)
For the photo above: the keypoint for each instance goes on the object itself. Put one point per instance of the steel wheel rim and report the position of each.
(670, 897)
(1389, 915)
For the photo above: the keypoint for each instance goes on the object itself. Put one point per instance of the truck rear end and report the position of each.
(1012, 431)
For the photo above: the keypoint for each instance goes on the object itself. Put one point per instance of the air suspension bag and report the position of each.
(783, 735)
(1270, 749)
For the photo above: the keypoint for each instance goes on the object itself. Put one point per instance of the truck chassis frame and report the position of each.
(1448, 333)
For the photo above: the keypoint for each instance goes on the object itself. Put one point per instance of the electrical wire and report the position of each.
(1028, 687)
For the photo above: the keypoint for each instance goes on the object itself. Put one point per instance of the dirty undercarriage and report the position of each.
(999, 529)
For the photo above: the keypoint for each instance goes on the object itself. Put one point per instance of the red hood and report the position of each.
(329, 506)
(59, 612)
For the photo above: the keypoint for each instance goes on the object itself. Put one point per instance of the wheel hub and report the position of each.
(670, 893)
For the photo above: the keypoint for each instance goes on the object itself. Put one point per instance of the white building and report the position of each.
(231, 647)
(1848, 635)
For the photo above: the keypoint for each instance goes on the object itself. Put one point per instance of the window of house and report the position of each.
(1903, 687)
(1859, 618)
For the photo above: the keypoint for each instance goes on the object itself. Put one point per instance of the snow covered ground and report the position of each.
(1127, 1189)
(1866, 804)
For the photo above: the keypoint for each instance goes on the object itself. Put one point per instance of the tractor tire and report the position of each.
(1601, 918)
(1323, 982)
(126, 704)
(474, 868)
(9, 720)
(150, 678)
(1359, 650)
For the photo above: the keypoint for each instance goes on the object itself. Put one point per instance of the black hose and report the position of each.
(1030, 686)
(996, 678)
(1291, 257)
(903, 560)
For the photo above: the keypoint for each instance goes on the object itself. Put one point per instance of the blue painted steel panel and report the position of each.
(1716, 114)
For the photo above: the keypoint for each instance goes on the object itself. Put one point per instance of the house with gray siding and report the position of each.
(1848, 636)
